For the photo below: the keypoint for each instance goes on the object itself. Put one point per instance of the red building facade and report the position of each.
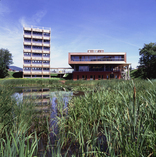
(97, 64)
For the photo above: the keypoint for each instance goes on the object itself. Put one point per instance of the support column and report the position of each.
(128, 73)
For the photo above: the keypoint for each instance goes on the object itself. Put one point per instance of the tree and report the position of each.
(148, 60)
(5, 61)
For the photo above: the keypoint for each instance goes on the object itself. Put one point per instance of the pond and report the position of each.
(48, 106)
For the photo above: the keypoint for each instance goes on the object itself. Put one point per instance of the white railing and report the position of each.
(37, 44)
(36, 27)
(37, 51)
(26, 57)
(27, 36)
(46, 51)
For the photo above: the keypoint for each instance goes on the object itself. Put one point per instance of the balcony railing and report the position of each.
(27, 43)
(26, 72)
(26, 65)
(27, 57)
(37, 29)
(36, 58)
(27, 35)
(27, 50)
(37, 43)
(36, 65)
(46, 66)
(37, 37)
(36, 72)
(46, 58)
(46, 38)
(46, 72)
(37, 51)
(46, 51)
(48, 45)
(27, 28)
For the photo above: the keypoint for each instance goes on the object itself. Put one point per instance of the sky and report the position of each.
(79, 25)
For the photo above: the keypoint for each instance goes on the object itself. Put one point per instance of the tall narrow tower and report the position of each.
(36, 52)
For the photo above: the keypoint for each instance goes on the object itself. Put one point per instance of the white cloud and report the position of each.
(11, 39)
(34, 20)
(38, 16)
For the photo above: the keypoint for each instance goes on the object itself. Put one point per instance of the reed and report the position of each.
(113, 118)
(120, 113)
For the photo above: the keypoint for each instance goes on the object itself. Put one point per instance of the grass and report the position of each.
(123, 113)
(10, 74)
(113, 118)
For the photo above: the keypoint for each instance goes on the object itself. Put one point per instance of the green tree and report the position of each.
(5, 61)
(148, 60)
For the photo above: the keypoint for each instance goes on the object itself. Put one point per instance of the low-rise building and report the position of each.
(97, 64)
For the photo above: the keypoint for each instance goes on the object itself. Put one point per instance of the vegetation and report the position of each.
(148, 61)
(5, 61)
(115, 119)
(112, 118)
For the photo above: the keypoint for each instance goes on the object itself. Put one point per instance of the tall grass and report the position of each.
(115, 119)
(15, 121)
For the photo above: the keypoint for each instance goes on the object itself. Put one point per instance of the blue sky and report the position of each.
(79, 25)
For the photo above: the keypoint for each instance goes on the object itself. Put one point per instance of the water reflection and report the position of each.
(48, 107)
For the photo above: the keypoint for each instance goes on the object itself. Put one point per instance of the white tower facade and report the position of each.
(36, 52)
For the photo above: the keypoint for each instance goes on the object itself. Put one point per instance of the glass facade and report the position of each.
(97, 58)
(82, 68)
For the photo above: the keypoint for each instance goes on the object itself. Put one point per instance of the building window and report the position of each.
(37, 33)
(37, 47)
(72, 58)
(86, 58)
(27, 54)
(27, 47)
(36, 68)
(100, 58)
(27, 32)
(77, 58)
(26, 68)
(47, 34)
(37, 40)
(92, 58)
(46, 48)
(27, 39)
(82, 58)
(83, 68)
(37, 54)
(46, 41)
(46, 62)
(96, 68)
(46, 55)
(37, 62)
(27, 61)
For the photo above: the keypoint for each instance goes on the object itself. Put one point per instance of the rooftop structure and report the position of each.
(36, 52)
(97, 64)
